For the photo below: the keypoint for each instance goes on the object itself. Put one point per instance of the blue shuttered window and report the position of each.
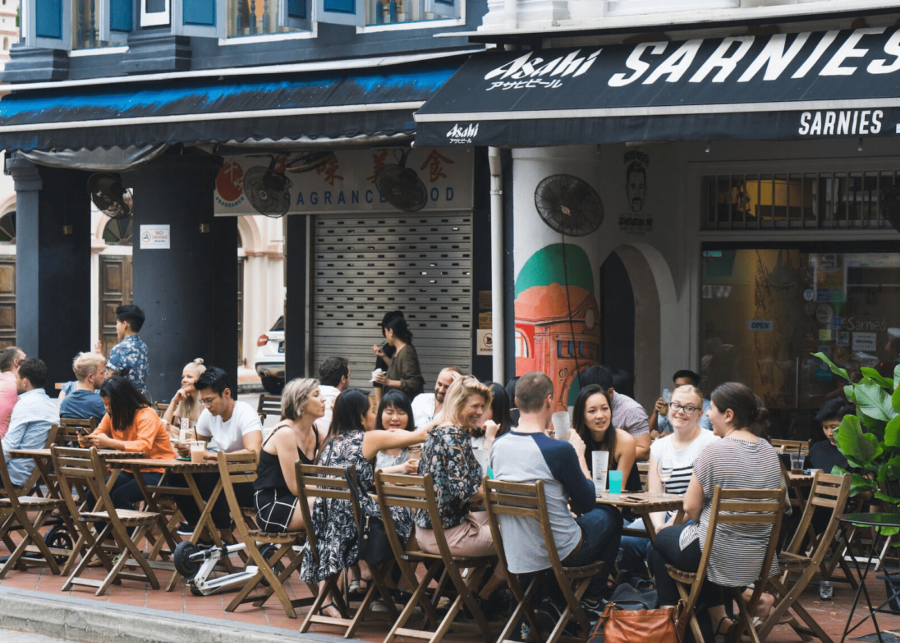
(121, 15)
(296, 9)
(447, 8)
(48, 18)
(294, 14)
(341, 12)
(199, 12)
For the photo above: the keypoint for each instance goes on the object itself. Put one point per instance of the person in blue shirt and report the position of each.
(130, 358)
(83, 402)
(32, 417)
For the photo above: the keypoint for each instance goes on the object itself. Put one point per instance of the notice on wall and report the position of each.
(485, 342)
(155, 237)
(865, 341)
(485, 321)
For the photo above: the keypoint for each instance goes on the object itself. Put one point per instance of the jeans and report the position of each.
(221, 514)
(666, 549)
(634, 552)
(601, 531)
(126, 492)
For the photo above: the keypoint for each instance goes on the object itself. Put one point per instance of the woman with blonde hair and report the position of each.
(295, 436)
(186, 401)
(447, 455)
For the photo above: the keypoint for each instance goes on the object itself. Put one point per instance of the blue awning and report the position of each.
(332, 105)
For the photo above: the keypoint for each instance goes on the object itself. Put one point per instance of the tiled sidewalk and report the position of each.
(831, 615)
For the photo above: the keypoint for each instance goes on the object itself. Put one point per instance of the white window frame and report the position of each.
(29, 24)
(437, 23)
(156, 19)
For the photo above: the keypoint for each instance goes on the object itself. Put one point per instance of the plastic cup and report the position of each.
(599, 466)
(376, 373)
(797, 461)
(198, 451)
(615, 482)
(561, 425)
(667, 397)
(185, 435)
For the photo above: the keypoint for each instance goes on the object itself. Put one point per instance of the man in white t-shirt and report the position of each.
(334, 377)
(427, 406)
(235, 428)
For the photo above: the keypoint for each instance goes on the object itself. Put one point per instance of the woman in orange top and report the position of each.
(130, 424)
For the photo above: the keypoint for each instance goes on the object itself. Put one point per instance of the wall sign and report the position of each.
(865, 341)
(346, 182)
(155, 237)
(485, 342)
(761, 324)
(636, 220)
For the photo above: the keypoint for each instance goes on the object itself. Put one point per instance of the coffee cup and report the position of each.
(198, 451)
(561, 425)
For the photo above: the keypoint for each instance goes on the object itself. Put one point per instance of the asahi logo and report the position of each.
(465, 134)
(527, 72)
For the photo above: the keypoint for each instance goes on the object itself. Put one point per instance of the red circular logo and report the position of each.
(230, 181)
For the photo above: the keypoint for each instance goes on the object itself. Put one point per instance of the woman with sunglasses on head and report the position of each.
(672, 457)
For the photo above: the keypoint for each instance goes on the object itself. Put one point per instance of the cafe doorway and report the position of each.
(766, 308)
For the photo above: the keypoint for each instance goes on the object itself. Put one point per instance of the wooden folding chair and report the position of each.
(268, 405)
(240, 468)
(529, 501)
(786, 446)
(465, 573)
(330, 483)
(830, 492)
(733, 507)
(15, 519)
(71, 428)
(161, 408)
(84, 467)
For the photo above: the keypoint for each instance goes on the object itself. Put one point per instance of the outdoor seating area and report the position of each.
(126, 555)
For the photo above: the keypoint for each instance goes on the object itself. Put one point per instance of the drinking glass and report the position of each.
(198, 448)
(665, 467)
(667, 397)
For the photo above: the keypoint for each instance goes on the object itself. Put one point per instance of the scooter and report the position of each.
(195, 563)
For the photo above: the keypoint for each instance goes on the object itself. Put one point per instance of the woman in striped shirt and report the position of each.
(741, 460)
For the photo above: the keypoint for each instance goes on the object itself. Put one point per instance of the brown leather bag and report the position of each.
(646, 626)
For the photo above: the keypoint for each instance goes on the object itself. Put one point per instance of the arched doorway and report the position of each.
(8, 279)
(636, 286)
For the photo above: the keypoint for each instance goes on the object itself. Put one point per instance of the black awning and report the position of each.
(780, 86)
(363, 102)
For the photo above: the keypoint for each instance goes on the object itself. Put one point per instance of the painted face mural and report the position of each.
(636, 185)
(557, 328)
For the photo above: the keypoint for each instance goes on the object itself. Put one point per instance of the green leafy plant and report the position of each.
(870, 440)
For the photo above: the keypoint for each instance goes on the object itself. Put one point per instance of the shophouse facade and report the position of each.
(207, 111)
(718, 178)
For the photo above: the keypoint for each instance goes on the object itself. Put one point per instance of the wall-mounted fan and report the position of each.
(110, 196)
(889, 205)
(268, 190)
(568, 205)
(400, 185)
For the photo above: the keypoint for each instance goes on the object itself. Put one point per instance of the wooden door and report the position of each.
(7, 300)
(115, 291)
(240, 307)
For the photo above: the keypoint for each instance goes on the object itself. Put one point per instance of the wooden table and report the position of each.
(645, 503)
(152, 493)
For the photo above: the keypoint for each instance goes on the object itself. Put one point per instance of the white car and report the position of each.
(270, 358)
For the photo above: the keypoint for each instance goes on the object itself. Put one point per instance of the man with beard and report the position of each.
(427, 406)
(636, 186)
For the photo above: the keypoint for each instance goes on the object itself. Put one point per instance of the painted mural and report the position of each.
(557, 318)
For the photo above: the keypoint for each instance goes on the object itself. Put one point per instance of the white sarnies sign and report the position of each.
(346, 182)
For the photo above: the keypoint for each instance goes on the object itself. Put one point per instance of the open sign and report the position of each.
(760, 324)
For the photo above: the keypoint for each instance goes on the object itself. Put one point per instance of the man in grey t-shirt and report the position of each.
(527, 455)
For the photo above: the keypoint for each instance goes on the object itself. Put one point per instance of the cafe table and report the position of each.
(645, 503)
(152, 494)
(849, 524)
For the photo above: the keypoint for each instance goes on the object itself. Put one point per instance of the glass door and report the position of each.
(765, 310)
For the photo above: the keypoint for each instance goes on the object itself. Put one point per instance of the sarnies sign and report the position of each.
(780, 86)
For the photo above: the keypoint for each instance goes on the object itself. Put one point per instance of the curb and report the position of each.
(89, 621)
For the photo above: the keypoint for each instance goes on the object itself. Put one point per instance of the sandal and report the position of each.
(720, 635)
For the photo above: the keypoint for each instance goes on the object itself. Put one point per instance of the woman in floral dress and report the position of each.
(353, 442)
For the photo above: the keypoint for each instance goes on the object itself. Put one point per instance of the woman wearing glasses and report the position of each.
(671, 463)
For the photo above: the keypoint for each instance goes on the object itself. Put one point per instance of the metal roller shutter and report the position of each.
(367, 265)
